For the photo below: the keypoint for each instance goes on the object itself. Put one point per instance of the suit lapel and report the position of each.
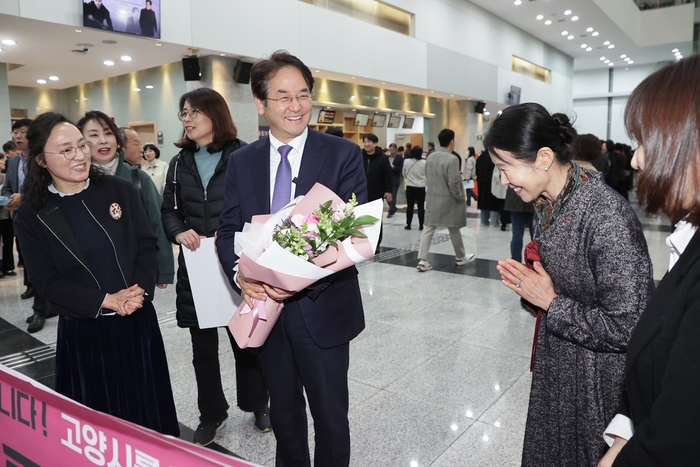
(56, 222)
(311, 163)
(260, 172)
(664, 300)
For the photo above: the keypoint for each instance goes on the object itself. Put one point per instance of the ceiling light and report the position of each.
(9, 42)
(222, 55)
(149, 86)
(353, 77)
(680, 56)
(567, 12)
(53, 78)
(137, 89)
(588, 49)
(678, 53)
(570, 37)
(623, 56)
(517, 2)
(628, 59)
(595, 34)
(108, 62)
(606, 61)
(602, 59)
(548, 22)
(606, 43)
(564, 33)
(41, 81)
(318, 71)
(630, 62)
(610, 64)
(125, 58)
(611, 46)
(589, 30)
(486, 112)
(574, 18)
(583, 46)
(158, 44)
(540, 17)
(499, 112)
(674, 50)
(78, 30)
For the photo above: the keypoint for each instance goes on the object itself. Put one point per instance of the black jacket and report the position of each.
(188, 205)
(484, 171)
(378, 171)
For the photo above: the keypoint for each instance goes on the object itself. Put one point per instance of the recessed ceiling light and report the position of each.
(125, 58)
(137, 89)
(548, 22)
(318, 71)
(222, 55)
(595, 34)
(353, 77)
(517, 2)
(574, 18)
(674, 50)
(606, 61)
(564, 33)
(611, 64)
(158, 44)
(540, 17)
(628, 59)
(680, 56)
(583, 46)
(623, 56)
(53, 78)
(611, 46)
(108, 62)
(630, 62)
(588, 49)
(149, 86)
(606, 43)
(41, 81)
(567, 12)
(570, 37)
(78, 30)
(589, 30)
(602, 59)
(678, 53)
(9, 42)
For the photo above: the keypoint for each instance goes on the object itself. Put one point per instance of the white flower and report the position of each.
(298, 220)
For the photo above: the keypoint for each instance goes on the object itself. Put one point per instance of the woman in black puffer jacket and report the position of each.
(192, 202)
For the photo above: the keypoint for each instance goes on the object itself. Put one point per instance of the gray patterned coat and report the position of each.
(597, 257)
(445, 196)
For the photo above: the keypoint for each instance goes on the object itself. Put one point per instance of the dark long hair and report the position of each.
(663, 116)
(526, 128)
(104, 120)
(213, 105)
(35, 189)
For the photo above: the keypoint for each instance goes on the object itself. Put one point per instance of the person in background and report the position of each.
(147, 21)
(7, 233)
(13, 188)
(612, 176)
(378, 171)
(105, 139)
(92, 256)
(396, 164)
(10, 150)
(192, 203)
(591, 278)
(657, 421)
(335, 131)
(431, 147)
(521, 216)
(414, 173)
(586, 151)
(133, 150)
(487, 203)
(470, 174)
(602, 162)
(156, 168)
(445, 198)
(132, 24)
(96, 15)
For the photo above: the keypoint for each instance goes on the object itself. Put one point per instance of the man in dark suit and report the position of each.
(148, 22)
(396, 162)
(14, 180)
(309, 346)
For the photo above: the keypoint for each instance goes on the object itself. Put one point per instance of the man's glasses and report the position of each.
(71, 152)
(19, 132)
(192, 114)
(302, 99)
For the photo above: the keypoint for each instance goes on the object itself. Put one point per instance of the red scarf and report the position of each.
(532, 254)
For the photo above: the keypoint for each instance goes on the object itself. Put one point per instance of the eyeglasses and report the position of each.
(302, 99)
(71, 152)
(19, 132)
(192, 114)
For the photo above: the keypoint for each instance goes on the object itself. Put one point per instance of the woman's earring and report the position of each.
(546, 169)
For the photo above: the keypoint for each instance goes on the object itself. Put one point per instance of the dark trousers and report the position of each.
(470, 195)
(414, 195)
(250, 384)
(519, 220)
(394, 194)
(39, 304)
(292, 363)
(8, 240)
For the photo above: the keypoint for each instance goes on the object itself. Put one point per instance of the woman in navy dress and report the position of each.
(91, 253)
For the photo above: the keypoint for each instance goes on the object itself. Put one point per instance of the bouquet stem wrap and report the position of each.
(261, 259)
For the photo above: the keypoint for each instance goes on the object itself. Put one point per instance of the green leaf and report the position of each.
(355, 233)
(365, 220)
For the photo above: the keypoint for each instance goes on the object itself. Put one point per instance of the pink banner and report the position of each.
(39, 427)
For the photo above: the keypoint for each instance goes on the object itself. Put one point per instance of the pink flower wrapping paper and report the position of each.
(263, 260)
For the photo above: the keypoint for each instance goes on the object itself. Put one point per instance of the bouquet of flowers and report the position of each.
(311, 238)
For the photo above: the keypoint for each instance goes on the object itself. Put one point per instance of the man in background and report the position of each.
(148, 21)
(396, 163)
(133, 149)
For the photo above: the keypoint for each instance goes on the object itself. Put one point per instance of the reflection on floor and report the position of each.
(438, 378)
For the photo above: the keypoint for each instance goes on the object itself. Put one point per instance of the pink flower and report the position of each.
(311, 218)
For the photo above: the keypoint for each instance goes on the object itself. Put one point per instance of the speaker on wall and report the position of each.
(241, 73)
(479, 107)
(190, 69)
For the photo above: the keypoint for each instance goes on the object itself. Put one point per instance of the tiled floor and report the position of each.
(438, 378)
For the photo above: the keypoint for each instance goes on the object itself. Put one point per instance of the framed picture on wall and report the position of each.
(326, 116)
(394, 121)
(408, 123)
(379, 120)
(361, 119)
(125, 16)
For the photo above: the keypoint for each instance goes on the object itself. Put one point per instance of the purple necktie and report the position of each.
(283, 181)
